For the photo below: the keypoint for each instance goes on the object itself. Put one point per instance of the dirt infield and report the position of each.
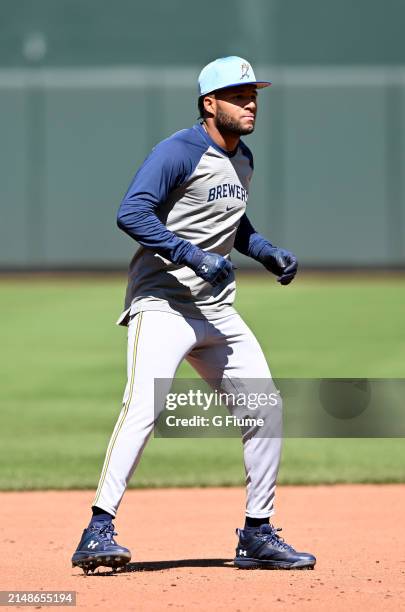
(183, 541)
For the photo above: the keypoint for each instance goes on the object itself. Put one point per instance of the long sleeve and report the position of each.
(165, 169)
(248, 241)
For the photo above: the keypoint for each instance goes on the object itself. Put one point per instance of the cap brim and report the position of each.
(259, 85)
(262, 84)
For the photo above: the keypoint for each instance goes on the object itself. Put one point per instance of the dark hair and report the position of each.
(201, 108)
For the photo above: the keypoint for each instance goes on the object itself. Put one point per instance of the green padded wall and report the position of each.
(88, 87)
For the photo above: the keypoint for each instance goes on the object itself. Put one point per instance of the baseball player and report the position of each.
(186, 208)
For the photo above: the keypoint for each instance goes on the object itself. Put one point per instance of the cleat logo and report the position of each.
(92, 544)
(242, 553)
(204, 268)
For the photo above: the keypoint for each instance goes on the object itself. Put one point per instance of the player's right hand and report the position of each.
(214, 269)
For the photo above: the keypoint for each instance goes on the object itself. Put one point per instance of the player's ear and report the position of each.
(210, 104)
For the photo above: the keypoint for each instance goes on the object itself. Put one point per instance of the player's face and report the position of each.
(236, 109)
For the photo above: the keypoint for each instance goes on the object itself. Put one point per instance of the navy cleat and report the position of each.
(263, 548)
(98, 547)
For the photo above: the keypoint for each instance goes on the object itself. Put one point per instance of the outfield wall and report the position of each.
(329, 156)
(87, 87)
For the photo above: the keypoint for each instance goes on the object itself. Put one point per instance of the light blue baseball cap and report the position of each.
(227, 72)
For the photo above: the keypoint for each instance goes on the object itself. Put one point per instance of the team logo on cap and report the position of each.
(244, 71)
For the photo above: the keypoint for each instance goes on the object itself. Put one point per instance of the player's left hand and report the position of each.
(280, 262)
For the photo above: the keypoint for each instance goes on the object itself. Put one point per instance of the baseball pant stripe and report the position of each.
(123, 415)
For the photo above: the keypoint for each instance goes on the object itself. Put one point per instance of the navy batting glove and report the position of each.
(280, 262)
(211, 267)
(214, 269)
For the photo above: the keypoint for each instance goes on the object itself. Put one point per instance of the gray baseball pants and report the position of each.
(221, 349)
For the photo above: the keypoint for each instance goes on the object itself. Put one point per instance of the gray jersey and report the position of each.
(200, 192)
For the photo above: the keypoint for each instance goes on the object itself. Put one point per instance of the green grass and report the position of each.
(63, 373)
